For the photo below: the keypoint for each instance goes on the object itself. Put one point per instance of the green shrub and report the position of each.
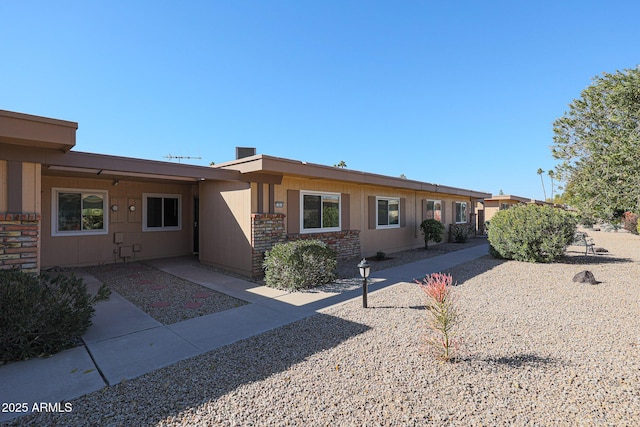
(531, 233)
(42, 315)
(300, 264)
(432, 229)
(461, 232)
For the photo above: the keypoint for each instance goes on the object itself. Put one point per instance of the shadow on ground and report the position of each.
(515, 361)
(168, 392)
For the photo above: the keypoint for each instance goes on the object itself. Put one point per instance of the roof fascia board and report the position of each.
(268, 164)
(35, 131)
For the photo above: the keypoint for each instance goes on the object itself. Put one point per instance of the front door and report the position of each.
(196, 225)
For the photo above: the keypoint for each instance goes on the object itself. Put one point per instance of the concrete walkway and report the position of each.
(124, 342)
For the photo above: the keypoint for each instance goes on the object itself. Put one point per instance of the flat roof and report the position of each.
(277, 165)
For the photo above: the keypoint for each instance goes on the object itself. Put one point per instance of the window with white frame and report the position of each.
(388, 212)
(434, 210)
(76, 212)
(319, 212)
(461, 212)
(161, 212)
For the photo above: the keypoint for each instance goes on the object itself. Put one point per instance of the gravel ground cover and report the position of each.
(538, 349)
(166, 298)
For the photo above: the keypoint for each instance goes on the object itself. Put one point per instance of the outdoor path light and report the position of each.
(364, 268)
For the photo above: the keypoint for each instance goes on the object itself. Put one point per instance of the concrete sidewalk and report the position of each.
(124, 342)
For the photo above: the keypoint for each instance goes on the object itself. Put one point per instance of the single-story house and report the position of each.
(504, 201)
(62, 208)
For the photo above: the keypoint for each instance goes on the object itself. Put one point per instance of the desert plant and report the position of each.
(381, 255)
(42, 315)
(432, 229)
(531, 233)
(300, 264)
(443, 314)
(461, 232)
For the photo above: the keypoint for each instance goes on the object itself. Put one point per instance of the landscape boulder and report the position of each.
(585, 277)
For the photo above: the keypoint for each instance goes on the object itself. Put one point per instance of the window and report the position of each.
(461, 212)
(504, 206)
(78, 212)
(388, 212)
(161, 212)
(434, 210)
(320, 212)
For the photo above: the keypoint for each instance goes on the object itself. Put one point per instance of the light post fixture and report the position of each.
(364, 268)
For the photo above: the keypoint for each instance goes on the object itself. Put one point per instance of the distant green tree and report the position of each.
(342, 165)
(598, 142)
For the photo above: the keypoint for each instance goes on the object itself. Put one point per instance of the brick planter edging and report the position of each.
(346, 243)
(19, 236)
(267, 229)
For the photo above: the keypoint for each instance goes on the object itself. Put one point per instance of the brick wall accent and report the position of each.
(345, 243)
(19, 239)
(267, 229)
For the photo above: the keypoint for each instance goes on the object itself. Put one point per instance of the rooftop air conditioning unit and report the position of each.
(242, 152)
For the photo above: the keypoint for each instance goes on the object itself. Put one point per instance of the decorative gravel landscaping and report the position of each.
(166, 298)
(537, 349)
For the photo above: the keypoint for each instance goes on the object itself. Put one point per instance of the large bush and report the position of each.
(42, 315)
(531, 233)
(300, 264)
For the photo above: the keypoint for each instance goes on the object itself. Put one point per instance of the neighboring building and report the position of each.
(504, 201)
(65, 208)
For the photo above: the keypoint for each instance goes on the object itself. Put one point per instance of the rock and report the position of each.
(585, 277)
(600, 250)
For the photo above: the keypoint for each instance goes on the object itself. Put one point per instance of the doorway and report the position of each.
(196, 225)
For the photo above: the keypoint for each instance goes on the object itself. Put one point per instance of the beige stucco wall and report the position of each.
(493, 206)
(99, 249)
(3, 186)
(388, 240)
(31, 187)
(225, 225)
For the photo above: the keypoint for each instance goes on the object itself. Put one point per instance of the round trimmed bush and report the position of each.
(300, 264)
(531, 233)
(42, 315)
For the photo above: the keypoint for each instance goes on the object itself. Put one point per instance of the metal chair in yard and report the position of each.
(582, 239)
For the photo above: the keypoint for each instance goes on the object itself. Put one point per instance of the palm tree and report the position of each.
(551, 175)
(540, 172)
(342, 165)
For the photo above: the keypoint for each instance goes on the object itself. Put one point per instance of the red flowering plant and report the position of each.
(443, 314)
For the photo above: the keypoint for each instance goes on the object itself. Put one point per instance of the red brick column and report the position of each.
(267, 229)
(19, 241)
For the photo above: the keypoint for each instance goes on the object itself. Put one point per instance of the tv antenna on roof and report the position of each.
(180, 157)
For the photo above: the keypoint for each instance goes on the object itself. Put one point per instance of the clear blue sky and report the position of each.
(460, 93)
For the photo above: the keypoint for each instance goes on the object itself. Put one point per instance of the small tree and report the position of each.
(432, 229)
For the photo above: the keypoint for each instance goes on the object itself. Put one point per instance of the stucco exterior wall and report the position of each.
(373, 239)
(103, 248)
(225, 226)
(4, 186)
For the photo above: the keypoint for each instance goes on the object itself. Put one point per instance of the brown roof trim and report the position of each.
(508, 197)
(35, 131)
(277, 165)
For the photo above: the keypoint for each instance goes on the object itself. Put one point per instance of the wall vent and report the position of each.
(242, 152)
